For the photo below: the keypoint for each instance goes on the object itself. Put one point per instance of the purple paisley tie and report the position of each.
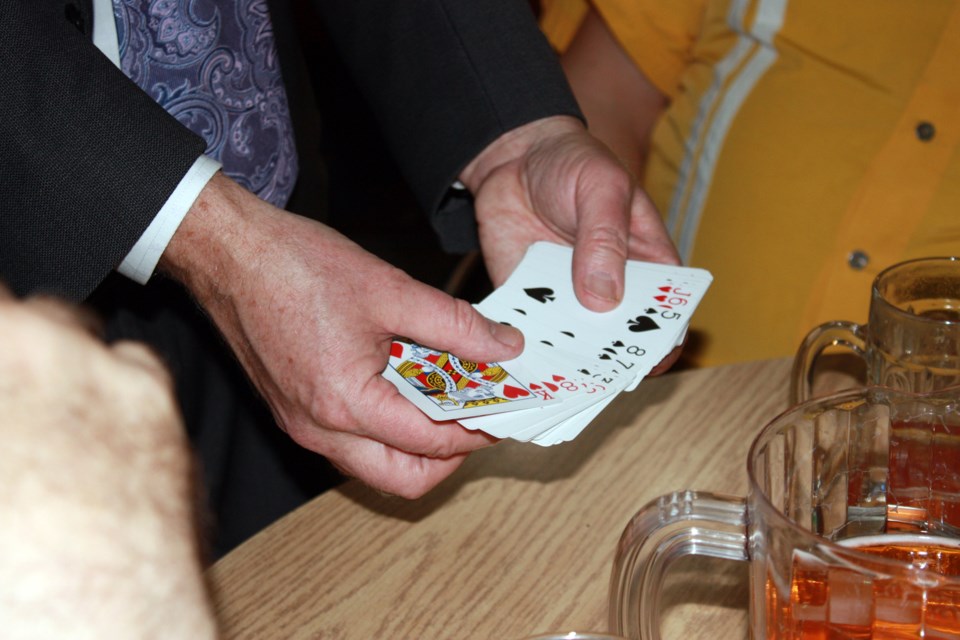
(213, 65)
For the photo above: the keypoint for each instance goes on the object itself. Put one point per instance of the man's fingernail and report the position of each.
(505, 335)
(600, 284)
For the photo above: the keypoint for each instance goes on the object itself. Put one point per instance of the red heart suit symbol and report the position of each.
(514, 392)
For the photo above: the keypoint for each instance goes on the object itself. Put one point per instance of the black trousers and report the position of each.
(250, 472)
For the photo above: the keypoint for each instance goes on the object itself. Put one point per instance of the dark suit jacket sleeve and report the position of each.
(86, 158)
(444, 79)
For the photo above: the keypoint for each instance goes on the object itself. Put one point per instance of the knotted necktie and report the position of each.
(213, 65)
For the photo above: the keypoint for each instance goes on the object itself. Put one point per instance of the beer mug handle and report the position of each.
(839, 333)
(672, 526)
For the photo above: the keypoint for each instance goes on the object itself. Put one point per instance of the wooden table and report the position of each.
(521, 539)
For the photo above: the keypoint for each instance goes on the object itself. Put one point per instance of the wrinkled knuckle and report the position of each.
(392, 279)
(609, 172)
(608, 239)
(441, 449)
(299, 434)
(464, 317)
(438, 443)
(412, 492)
(331, 416)
(415, 483)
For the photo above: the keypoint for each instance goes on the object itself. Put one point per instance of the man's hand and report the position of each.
(97, 536)
(551, 180)
(311, 316)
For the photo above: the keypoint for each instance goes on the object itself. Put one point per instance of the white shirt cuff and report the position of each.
(105, 30)
(145, 254)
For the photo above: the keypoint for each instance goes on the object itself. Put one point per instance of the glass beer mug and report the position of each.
(851, 524)
(912, 337)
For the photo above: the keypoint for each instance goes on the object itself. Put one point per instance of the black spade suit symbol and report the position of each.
(541, 294)
(641, 324)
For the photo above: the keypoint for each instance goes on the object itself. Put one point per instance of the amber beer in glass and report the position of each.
(851, 525)
(826, 601)
(911, 340)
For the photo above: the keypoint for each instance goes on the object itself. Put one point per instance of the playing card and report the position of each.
(447, 388)
(566, 338)
(576, 392)
(572, 426)
(575, 361)
(645, 327)
(556, 418)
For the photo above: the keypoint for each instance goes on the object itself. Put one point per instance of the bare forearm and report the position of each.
(72, 572)
(621, 105)
(97, 535)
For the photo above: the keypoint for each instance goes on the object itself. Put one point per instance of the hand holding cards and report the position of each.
(575, 361)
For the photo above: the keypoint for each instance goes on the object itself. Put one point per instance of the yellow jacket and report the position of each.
(807, 145)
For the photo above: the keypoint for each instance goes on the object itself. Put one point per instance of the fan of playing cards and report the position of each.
(575, 361)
